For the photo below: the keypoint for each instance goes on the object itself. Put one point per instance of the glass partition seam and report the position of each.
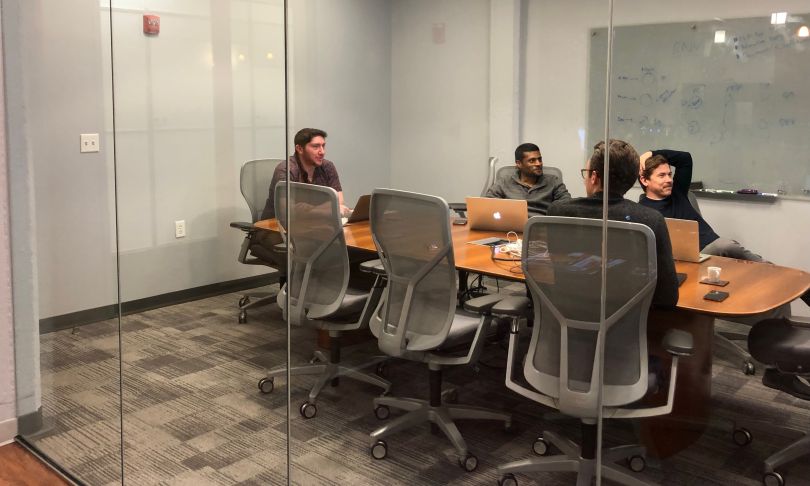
(117, 246)
(603, 290)
(287, 242)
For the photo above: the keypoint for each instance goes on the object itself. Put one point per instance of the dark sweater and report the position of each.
(678, 205)
(620, 209)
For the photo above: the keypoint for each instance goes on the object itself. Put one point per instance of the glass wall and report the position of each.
(157, 342)
(67, 328)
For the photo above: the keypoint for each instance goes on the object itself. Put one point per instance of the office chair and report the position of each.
(418, 319)
(317, 290)
(561, 262)
(254, 181)
(461, 208)
(785, 345)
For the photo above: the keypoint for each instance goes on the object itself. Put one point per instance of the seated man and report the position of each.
(623, 173)
(307, 165)
(669, 196)
(528, 181)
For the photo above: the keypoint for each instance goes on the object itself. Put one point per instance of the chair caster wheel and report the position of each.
(742, 436)
(242, 317)
(382, 412)
(748, 368)
(266, 385)
(509, 427)
(469, 463)
(541, 447)
(450, 395)
(636, 463)
(382, 370)
(508, 480)
(773, 479)
(243, 301)
(308, 410)
(379, 450)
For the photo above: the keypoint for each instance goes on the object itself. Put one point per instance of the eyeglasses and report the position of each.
(585, 172)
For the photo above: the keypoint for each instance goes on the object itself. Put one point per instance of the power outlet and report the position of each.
(88, 142)
(180, 228)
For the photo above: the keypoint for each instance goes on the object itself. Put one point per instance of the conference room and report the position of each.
(166, 332)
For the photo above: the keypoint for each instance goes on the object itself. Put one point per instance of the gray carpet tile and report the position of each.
(192, 413)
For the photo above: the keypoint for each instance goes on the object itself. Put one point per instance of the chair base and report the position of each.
(421, 411)
(723, 342)
(329, 371)
(790, 453)
(571, 460)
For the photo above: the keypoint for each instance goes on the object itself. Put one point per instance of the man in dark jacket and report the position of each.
(622, 175)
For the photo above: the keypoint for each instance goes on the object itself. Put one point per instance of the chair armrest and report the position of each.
(247, 227)
(373, 266)
(483, 304)
(678, 342)
(459, 208)
(515, 306)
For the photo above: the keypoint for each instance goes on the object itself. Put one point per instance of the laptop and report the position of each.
(492, 214)
(360, 211)
(683, 233)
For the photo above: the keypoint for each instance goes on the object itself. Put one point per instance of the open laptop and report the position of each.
(360, 211)
(492, 214)
(683, 233)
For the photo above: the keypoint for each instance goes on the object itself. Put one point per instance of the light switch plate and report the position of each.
(88, 142)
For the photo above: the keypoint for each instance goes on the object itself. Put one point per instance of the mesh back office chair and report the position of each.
(561, 262)
(785, 346)
(318, 285)
(419, 320)
(254, 182)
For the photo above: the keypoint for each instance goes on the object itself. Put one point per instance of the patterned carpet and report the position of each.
(193, 413)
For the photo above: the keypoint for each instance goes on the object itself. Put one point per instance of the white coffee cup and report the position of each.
(713, 274)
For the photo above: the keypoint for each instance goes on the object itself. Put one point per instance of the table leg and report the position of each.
(668, 434)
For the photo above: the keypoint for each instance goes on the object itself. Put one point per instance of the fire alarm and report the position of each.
(151, 24)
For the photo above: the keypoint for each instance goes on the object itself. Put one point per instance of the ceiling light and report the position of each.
(803, 31)
(719, 36)
(778, 18)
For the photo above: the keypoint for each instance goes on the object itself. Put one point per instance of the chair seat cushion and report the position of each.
(462, 330)
(352, 305)
(778, 342)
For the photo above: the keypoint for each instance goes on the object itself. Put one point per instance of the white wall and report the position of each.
(340, 74)
(8, 392)
(440, 96)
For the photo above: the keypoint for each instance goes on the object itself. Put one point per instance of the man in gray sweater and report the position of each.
(529, 182)
(624, 163)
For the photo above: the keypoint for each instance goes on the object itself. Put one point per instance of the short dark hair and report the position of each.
(650, 165)
(305, 135)
(623, 166)
(521, 150)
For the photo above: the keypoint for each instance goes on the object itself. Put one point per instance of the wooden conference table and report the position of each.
(754, 288)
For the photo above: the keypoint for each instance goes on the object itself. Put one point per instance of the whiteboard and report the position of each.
(741, 106)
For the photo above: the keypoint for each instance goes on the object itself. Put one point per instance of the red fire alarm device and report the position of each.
(151, 24)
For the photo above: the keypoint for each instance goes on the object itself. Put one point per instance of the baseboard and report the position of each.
(89, 316)
(30, 423)
(8, 430)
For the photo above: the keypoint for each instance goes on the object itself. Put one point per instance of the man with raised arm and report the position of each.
(529, 182)
(669, 196)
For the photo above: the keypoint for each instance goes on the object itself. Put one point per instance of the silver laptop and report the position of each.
(492, 214)
(684, 235)
(360, 211)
